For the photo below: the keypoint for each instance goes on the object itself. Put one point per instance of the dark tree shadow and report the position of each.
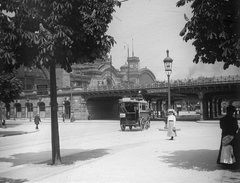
(80, 156)
(199, 159)
(9, 125)
(68, 156)
(132, 130)
(8, 180)
(12, 133)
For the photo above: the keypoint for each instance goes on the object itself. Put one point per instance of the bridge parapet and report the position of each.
(203, 81)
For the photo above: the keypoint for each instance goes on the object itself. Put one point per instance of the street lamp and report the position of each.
(168, 70)
(63, 109)
(29, 107)
(72, 119)
(1, 114)
(39, 105)
(128, 62)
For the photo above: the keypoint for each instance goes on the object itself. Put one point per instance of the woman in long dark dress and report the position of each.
(229, 126)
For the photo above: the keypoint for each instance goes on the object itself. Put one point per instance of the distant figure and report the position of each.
(229, 126)
(63, 117)
(37, 120)
(171, 124)
(72, 118)
(3, 123)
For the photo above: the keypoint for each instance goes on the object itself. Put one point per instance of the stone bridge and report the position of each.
(210, 93)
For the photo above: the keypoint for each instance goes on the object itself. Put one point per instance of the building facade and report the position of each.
(101, 73)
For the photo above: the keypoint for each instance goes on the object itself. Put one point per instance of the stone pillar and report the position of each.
(205, 108)
(157, 107)
(200, 96)
(219, 106)
(211, 108)
(215, 107)
(161, 109)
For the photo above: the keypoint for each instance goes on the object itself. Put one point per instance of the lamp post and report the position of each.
(29, 109)
(72, 119)
(168, 70)
(39, 103)
(128, 75)
(63, 110)
(1, 115)
(15, 110)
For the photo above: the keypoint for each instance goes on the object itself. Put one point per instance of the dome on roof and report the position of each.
(124, 66)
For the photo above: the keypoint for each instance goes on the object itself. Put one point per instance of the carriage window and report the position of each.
(129, 107)
(143, 107)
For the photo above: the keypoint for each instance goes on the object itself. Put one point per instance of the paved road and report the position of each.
(98, 151)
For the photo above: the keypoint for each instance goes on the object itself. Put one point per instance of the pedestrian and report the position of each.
(171, 124)
(4, 120)
(63, 117)
(230, 128)
(72, 118)
(37, 120)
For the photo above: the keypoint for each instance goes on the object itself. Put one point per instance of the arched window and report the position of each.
(18, 107)
(41, 106)
(29, 107)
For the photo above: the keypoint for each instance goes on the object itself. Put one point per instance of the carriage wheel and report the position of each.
(122, 127)
(147, 125)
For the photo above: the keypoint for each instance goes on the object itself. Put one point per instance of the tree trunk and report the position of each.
(56, 158)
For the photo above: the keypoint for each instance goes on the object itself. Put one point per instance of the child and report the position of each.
(37, 120)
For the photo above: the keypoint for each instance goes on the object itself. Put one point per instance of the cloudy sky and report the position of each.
(153, 26)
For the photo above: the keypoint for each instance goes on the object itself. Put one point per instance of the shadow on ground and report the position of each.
(9, 180)
(68, 156)
(9, 125)
(12, 133)
(199, 159)
(188, 118)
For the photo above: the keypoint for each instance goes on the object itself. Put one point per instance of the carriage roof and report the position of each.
(133, 100)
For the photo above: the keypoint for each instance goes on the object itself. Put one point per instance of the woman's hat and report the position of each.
(231, 109)
(171, 111)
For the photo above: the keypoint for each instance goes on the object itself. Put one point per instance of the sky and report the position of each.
(151, 27)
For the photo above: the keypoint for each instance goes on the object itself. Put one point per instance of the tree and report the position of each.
(215, 30)
(10, 87)
(39, 33)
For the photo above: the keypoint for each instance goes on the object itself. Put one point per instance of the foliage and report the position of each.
(215, 30)
(10, 87)
(43, 33)
(37, 32)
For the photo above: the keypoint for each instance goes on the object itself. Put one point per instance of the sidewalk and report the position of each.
(11, 125)
(114, 156)
(19, 126)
